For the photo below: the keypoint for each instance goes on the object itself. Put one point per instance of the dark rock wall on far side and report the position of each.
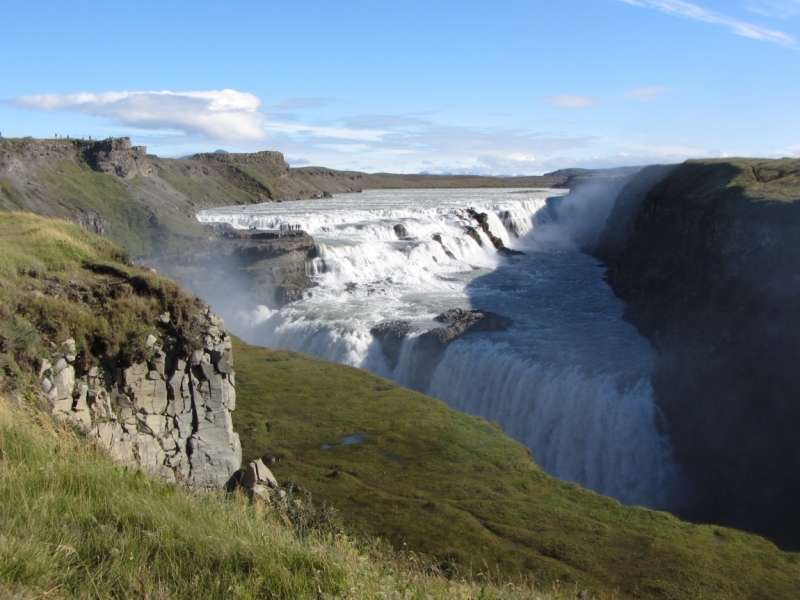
(708, 259)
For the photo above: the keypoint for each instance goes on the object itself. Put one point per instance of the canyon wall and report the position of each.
(231, 269)
(707, 254)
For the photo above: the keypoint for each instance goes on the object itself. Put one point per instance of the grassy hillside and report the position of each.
(74, 525)
(440, 482)
(57, 282)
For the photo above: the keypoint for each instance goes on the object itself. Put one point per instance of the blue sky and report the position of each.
(503, 87)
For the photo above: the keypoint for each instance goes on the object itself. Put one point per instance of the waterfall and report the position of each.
(570, 379)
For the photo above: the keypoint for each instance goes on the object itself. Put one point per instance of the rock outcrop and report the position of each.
(270, 268)
(483, 222)
(169, 416)
(119, 157)
(431, 344)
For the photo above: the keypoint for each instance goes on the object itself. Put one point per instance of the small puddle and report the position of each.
(392, 457)
(348, 440)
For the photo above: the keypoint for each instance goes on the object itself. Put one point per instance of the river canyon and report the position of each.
(569, 378)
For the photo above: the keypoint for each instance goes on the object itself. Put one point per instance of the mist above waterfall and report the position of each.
(569, 379)
(577, 219)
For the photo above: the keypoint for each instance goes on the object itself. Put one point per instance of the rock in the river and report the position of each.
(433, 343)
(400, 231)
(462, 321)
(483, 221)
(473, 233)
(438, 238)
(391, 335)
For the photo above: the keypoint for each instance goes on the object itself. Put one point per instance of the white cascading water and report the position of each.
(570, 379)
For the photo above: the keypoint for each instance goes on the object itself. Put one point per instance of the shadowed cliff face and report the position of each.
(234, 270)
(708, 260)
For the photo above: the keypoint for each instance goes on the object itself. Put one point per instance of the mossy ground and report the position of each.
(440, 482)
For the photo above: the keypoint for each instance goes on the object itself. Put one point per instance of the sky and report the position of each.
(502, 87)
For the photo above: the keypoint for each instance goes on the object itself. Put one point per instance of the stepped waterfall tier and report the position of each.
(549, 357)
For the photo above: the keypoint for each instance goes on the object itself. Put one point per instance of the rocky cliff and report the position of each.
(126, 355)
(707, 257)
(270, 268)
(145, 203)
(169, 415)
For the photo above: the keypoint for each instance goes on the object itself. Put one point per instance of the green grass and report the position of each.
(87, 190)
(75, 525)
(436, 481)
(258, 181)
(57, 282)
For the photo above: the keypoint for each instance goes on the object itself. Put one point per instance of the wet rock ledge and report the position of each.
(433, 343)
(267, 267)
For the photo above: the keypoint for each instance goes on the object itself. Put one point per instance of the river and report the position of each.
(570, 379)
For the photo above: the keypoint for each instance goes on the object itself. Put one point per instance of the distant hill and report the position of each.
(143, 202)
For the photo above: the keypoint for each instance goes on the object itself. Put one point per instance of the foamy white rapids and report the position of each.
(570, 379)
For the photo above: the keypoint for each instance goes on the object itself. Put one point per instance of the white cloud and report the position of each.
(670, 151)
(220, 115)
(775, 8)
(350, 148)
(414, 144)
(693, 11)
(570, 101)
(295, 103)
(646, 94)
(342, 133)
(184, 123)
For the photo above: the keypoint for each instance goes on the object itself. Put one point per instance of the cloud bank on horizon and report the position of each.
(220, 115)
(229, 116)
(479, 89)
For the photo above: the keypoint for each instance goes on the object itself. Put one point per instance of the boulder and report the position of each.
(258, 473)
